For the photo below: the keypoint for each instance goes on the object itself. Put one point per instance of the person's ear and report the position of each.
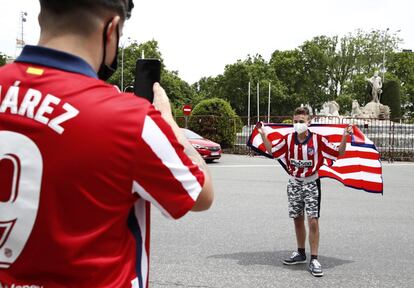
(112, 31)
(112, 39)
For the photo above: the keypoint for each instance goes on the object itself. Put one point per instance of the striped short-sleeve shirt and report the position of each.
(304, 159)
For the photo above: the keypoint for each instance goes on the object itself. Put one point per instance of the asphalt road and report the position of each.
(367, 240)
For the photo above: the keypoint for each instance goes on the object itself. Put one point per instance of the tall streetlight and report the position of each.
(23, 15)
(385, 40)
(268, 104)
(248, 107)
(20, 39)
(383, 54)
(122, 62)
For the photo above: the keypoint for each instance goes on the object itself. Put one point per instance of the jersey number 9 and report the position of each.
(18, 207)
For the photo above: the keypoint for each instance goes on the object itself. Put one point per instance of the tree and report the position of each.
(315, 63)
(391, 96)
(207, 87)
(319, 70)
(358, 88)
(371, 48)
(342, 61)
(177, 89)
(216, 120)
(131, 54)
(332, 64)
(345, 104)
(357, 56)
(402, 66)
(303, 72)
(233, 85)
(288, 69)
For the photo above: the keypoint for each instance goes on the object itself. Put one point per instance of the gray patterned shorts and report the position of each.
(304, 196)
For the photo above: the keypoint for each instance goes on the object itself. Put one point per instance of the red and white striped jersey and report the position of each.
(304, 159)
(80, 164)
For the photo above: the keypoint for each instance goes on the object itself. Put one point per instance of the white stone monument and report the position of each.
(376, 84)
(370, 110)
(330, 108)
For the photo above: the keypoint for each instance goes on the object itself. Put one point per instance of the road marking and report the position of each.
(278, 165)
(243, 166)
(397, 164)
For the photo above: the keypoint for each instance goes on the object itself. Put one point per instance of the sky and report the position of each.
(198, 38)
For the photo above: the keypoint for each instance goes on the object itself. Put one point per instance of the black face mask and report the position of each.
(105, 71)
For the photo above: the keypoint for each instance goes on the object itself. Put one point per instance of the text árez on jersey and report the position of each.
(33, 100)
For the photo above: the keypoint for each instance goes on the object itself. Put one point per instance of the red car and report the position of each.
(208, 149)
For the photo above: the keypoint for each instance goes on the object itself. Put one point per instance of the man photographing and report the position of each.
(81, 162)
(304, 152)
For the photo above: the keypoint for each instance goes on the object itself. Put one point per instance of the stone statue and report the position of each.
(330, 108)
(376, 84)
(371, 110)
(309, 108)
(356, 110)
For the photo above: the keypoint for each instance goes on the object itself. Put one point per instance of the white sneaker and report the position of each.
(315, 268)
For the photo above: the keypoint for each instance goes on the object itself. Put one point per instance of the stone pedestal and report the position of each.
(370, 110)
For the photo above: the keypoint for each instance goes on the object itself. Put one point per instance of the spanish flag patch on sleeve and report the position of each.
(34, 71)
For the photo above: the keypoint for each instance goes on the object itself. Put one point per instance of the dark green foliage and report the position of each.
(323, 68)
(402, 66)
(216, 120)
(391, 96)
(177, 90)
(131, 54)
(3, 59)
(358, 88)
(345, 104)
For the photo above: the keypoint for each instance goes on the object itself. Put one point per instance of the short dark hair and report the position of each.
(301, 111)
(80, 16)
(121, 7)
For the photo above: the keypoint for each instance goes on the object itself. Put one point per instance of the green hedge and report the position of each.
(216, 120)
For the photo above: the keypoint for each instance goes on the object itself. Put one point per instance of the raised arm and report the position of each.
(206, 196)
(266, 141)
(347, 131)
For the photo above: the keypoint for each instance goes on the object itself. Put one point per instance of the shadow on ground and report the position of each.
(274, 258)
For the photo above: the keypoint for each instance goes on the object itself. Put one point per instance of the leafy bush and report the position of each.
(216, 120)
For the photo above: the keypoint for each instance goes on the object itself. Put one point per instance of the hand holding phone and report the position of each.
(147, 72)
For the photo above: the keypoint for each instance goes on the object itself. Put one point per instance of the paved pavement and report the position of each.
(367, 240)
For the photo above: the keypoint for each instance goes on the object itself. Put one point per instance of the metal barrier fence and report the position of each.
(393, 139)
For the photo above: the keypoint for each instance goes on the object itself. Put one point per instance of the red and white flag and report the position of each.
(360, 167)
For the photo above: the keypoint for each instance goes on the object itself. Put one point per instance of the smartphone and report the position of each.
(147, 72)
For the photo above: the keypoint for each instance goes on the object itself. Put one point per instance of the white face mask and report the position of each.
(300, 127)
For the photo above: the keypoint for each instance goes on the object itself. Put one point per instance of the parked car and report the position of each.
(208, 149)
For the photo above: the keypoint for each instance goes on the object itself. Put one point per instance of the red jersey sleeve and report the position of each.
(162, 173)
(329, 150)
